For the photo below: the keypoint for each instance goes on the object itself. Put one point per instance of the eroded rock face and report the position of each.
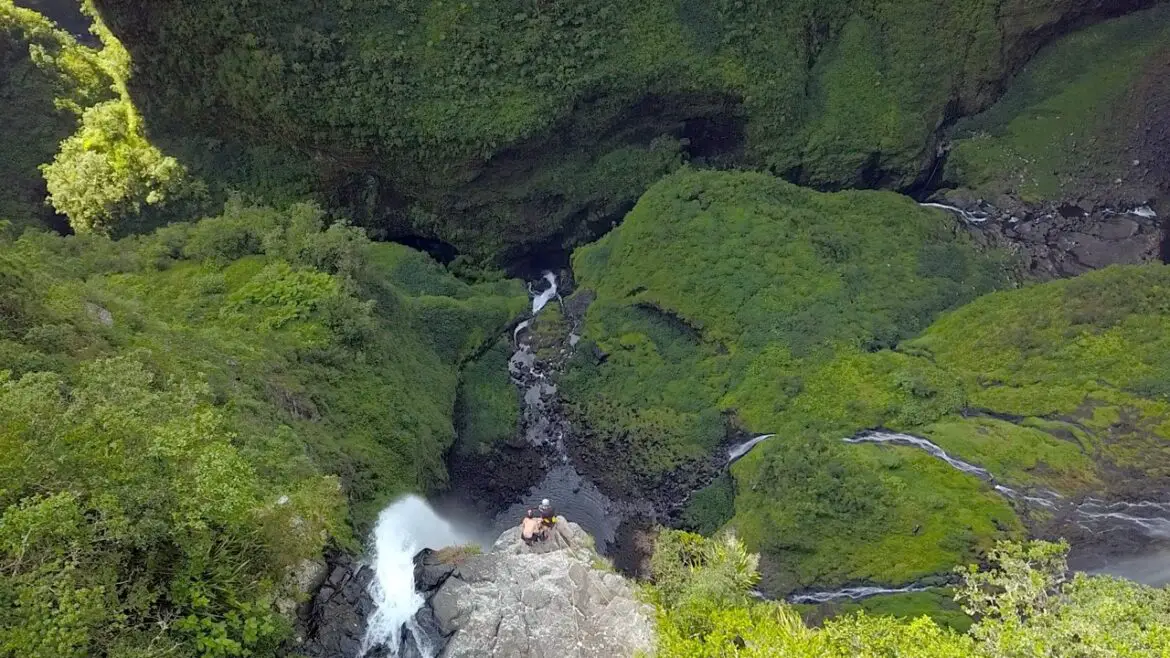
(542, 601)
(335, 622)
(1063, 241)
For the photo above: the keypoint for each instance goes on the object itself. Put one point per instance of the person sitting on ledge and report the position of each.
(548, 515)
(532, 528)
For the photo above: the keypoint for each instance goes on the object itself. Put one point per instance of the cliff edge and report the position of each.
(550, 599)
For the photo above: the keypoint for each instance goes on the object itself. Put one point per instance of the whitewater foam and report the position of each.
(852, 594)
(735, 452)
(540, 300)
(404, 528)
(919, 442)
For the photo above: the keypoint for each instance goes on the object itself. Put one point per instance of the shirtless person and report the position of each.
(531, 528)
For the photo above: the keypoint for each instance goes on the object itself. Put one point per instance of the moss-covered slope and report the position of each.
(722, 300)
(497, 126)
(1060, 387)
(189, 416)
(1086, 119)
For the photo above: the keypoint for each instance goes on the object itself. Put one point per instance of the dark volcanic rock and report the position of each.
(339, 611)
(429, 572)
(1062, 241)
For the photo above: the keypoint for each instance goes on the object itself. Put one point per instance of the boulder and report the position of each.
(429, 571)
(550, 599)
(337, 617)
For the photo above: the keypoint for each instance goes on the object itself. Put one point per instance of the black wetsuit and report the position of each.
(548, 513)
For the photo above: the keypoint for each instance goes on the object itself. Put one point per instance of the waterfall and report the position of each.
(1148, 517)
(404, 528)
(971, 217)
(1145, 212)
(1144, 515)
(539, 301)
(919, 442)
(735, 452)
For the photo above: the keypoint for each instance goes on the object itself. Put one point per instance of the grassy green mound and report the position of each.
(736, 301)
(188, 416)
(1064, 125)
(506, 123)
(823, 513)
(721, 292)
(1060, 386)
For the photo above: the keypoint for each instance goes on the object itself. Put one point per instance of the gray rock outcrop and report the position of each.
(1063, 240)
(548, 600)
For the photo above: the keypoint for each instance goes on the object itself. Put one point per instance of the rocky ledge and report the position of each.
(556, 598)
(1061, 240)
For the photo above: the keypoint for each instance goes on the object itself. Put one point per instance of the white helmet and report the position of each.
(544, 502)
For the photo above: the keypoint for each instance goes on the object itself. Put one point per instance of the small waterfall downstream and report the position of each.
(1149, 519)
(852, 594)
(970, 217)
(921, 443)
(403, 529)
(540, 300)
(735, 452)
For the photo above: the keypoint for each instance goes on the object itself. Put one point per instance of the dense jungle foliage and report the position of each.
(1025, 605)
(718, 294)
(186, 417)
(493, 125)
(1049, 387)
(218, 373)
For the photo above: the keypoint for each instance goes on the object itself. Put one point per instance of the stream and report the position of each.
(410, 524)
(1148, 519)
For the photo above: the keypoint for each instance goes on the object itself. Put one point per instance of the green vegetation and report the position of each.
(1063, 125)
(106, 177)
(513, 123)
(738, 297)
(939, 604)
(488, 406)
(825, 513)
(1024, 604)
(46, 81)
(1078, 363)
(189, 416)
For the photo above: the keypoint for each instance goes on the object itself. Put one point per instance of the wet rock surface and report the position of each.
(521, 601)
(1062, 240)
(335, 622)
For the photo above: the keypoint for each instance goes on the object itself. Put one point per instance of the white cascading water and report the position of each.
(1144, 212)
(404, 528)
(919, 442)
(972, 217)
(852, 594)
(742, 449)
(539, 301)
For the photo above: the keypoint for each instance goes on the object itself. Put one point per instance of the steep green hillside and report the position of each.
(1085, 118)
(721, 289)
(728, 301)
(1059, 387)
(500, 126)
(185, 417)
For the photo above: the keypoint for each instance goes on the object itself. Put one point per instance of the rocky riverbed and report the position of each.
(1061, 240)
